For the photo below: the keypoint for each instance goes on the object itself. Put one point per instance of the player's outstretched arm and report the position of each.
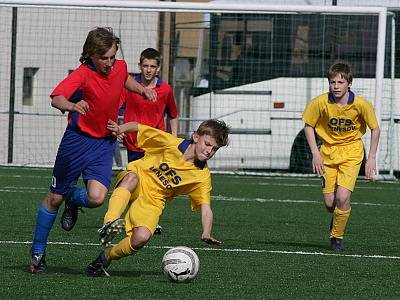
(370, 165)
(206, 221)
(134, 86)
(121, 129)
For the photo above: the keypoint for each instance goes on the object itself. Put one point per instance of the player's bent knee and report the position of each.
(342, 202)
(53, 201)
(96, 198)
(140, 237)
(130, 181)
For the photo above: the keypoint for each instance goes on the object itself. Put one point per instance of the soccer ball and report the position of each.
(180, 264)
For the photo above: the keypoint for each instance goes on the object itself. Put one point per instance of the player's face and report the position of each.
(149, 69)
(205, 146)
(339, 87)
(104, 63)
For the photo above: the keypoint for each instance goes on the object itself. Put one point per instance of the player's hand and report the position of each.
(210, 240)
(318, 165)
(113, 127)
(150, 94)
(121, 137)
(370, 168)
(81, 107)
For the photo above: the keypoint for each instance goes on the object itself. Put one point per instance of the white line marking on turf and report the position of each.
(263, 200)
(312, 185)
(36, 190)
(230, 250)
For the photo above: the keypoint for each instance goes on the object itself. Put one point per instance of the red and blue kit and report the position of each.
(87, 147)
(102, 93)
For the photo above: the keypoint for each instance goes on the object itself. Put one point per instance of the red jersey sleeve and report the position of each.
(70, 84)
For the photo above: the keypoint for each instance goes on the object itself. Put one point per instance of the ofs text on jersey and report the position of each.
(166, 175)
(341, 124)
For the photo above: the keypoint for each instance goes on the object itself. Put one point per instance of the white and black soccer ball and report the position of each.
(180, 264)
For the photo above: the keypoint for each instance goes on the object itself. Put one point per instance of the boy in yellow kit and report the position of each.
(340, 119)
(171, 166)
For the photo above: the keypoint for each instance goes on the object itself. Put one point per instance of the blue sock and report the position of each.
(78, 197)
(44, 223)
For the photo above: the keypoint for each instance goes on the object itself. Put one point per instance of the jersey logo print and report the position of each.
(341, 125)
(166, 175)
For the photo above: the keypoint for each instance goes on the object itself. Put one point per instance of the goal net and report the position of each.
(254, 66)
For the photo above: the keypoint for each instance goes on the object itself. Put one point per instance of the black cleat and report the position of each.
(38, 264)
(109, 230)
(97, 268)
(69, 216)
(337, 244)
(158, 230)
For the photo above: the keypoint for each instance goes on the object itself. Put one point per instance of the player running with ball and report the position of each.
(171, 166)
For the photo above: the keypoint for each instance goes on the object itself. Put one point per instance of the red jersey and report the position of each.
(147, 112)
(102, 93)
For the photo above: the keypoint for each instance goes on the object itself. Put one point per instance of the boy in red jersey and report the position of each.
(87, 146)
(171, 166)
(340, 118)
(151, 113)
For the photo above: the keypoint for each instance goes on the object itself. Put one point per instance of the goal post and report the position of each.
(254, 65)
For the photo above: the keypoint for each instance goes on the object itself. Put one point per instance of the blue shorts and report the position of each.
(79, 154)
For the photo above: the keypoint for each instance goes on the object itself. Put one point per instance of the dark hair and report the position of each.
(216, 129)
(150, 53)
(98, 41)
(340, 68)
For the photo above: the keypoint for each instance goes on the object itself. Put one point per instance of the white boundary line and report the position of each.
(273, 200)
(228, 250)
(32, 190)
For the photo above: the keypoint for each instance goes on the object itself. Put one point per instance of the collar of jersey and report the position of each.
(183, 146)
(138, 78)
(90, 64)
(331, 98)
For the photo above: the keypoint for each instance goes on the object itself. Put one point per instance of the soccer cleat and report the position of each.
(38, 264)
(109, 230)
(158, 230)
(98, 267)
(69, 216)
(337, 244)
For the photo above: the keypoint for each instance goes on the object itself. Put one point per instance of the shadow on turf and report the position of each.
(54, 270)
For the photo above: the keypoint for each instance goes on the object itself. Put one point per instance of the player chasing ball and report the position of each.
(171, 166)
(87, 146)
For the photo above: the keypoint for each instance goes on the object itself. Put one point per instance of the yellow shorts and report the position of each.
(341, 165)
(144, 209)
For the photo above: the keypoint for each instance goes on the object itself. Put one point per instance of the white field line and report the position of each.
(263, 200)
(240, 177)
(34, 190)
(313, 185)
(226, 250)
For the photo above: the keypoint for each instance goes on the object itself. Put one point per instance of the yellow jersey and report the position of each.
(340, 125)
(164, 173)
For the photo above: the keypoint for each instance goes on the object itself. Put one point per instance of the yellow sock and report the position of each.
(340, 218)
(122, 249)
(117, 204)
